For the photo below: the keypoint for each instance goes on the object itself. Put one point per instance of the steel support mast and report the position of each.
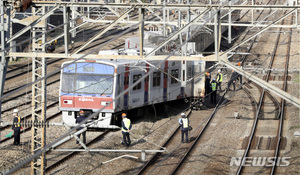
(4, 26)
(38, 96)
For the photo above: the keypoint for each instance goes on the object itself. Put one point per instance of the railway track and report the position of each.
(74, 153)
(257, 124)
(183, 150)
(27, 117)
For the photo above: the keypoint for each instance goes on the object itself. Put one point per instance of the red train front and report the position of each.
(87, 85)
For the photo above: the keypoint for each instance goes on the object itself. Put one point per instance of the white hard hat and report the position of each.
(16, 110)
(182, 114)
(219, 70)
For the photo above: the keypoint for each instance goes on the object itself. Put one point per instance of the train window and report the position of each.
(174, 73)
(135, 78)
(67, 83)
(92, 84)
(156, 79)
(88, 69)
(70, 68)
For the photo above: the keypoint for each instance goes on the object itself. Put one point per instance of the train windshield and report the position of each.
(88, 78)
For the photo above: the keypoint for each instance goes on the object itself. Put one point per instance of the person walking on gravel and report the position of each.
(79, 120)
(184, 123)
(219, 80)
(126, 126)
(213, 94)
(16, 127)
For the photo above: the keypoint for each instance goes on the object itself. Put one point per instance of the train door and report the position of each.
(156, 93)
(136, 98)
(183, 79)
(174, 86)
(146, 85)
(126, 85)
(165, 82)
(118, 91)
(190, 82)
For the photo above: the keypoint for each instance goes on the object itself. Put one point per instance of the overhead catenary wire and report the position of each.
(47, 147)
(42, 33)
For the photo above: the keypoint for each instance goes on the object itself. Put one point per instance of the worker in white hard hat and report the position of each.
(16, 127)
(219, 80)
(184, 123)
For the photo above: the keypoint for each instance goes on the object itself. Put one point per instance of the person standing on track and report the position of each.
(232, 80)
(79, 120)
(16, 127)
(126, 126)
(239, 75)
(219, 80)
(207, 83)
(184, 123)
(213, 95)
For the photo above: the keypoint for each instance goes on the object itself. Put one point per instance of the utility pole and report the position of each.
(3, 35)
(38, 134)
(141, 26)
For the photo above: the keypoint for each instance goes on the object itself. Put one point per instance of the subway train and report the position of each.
(91, 85)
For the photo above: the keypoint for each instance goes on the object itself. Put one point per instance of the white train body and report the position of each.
(92, 84)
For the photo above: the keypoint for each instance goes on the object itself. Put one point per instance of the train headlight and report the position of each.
(104, 103)
(69, 102)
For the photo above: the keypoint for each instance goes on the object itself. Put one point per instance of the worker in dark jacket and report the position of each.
(240, 77)
(126, 127)
(213, 95)
(232, 80)
(207, 83)
(79, 120)
(16, 127)
(184, 123)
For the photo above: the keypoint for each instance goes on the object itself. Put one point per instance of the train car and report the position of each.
(91, 85)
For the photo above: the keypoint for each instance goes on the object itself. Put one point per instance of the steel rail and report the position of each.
(29, 128)
(274, 100)
(154, 157)
(29, 70)
(259, 109)
(13, 89)
(200, 134)
(49, 168)
(279, 135)
(253, 101)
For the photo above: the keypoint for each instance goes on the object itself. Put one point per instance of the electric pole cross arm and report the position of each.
(103, 31)
(183, 29)
(288, 97)
(40, 19)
